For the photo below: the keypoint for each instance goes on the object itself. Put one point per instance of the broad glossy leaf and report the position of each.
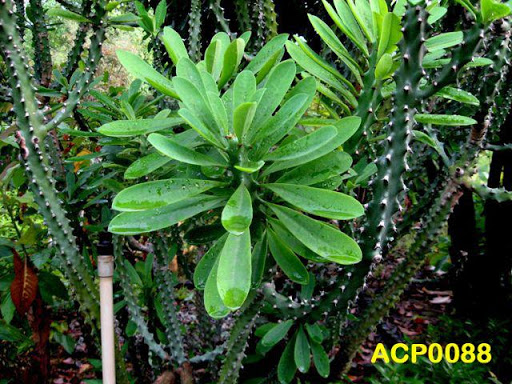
(145, 165)
(267, 52)
(444, 40)
(232, 59)
(142, 70)
(346, 127)
(426, 139)
(321, 360)
(435, 14)
(314, 332)
(448, 120)
(242, 119)
(198, 126)
(293, 243)
(302, 352)
(493, 10)
(363, 14)
(187, 70)
(258, 260)
(234, 273)
(128, 128)
(196, 102)
(276, 86)
(214, 54)
(390, 34)
(286, 368)
(204, 234)
(329, 204)
(303, 146)
(244, 87)
(277, 333)
(131, 223)
(287, 260)
(479, 62)
(155, 194)
(174, 45)
(212, 300)
(458, 95)
(171, 148)
(318, 170)
(321, 238)
(237, 214)
(384, 67)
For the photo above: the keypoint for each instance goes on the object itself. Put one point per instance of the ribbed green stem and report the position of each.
(74, 54)
(194, 30)
(165, 283)
(41, 44)
(237, 342)
(134, 309)
(218, 11)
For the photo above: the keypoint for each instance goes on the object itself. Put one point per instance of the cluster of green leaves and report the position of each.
(246, 160)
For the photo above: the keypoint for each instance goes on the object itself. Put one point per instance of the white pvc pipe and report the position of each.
(105, 272)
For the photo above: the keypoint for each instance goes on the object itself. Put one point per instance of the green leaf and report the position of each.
(330, 38)
(250, 166)
(171, 148)
(234, 273)
(258, 260)
(346, 127)
(160, 13)
(287, 260)
(293, 243)
(321, 360)
(65, 14)
(276, 86)
(321, 238)
(493, 10)
(266, 53)
(345, 21)
(131, 223)
(426, 139)
(435, 14)
(242, 119)
(319, 202)
(444, 40)
(314, 332)
(142, 70)
(128, 128)
(286, 368)
(237, 214)
(155, 194)
(145, 165)
(317, 70)
(276, 334)
(301, 353)
(390, 34)
(212, 300)
(214, 54)
(458, 95)
(244, 87)
(207, 262)
(198, 126)
(318, 170)
(232, 59)
(448, 120)
(479, 62)
(303, 146)
(384, 67)
(174, 45)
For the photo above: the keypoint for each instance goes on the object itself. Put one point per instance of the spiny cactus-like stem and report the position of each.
(258, 15)
(354, 334)
(163, 276)
(218, 11)
(74, 54)
(86, 78)
(131, 301)
(41, 43)
(20, 17)
(237, 342)
(194, 30)
(270, 17)
(242, 15)
(35, 159)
